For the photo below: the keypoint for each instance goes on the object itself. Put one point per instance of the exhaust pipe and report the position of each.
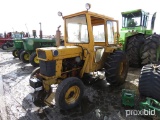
(58, 36)
(40, 31)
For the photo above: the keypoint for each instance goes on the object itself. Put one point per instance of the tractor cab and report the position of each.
(17, 35)
(92, 31)
(136, 19)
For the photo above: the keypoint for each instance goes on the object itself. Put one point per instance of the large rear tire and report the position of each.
(116, 68)
(133, 48)
(69, 93)
(149, 52)
(34, 60)
(149, 82)
(25, 57)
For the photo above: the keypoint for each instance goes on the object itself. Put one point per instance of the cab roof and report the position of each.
(89, 13)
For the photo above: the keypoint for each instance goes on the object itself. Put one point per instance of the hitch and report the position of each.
(151, 104)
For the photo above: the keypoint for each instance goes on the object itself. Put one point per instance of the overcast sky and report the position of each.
(16, 13)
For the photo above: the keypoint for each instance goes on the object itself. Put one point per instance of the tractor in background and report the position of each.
(18, 44)
(90, 53)
(7, 40)
(28, 54)
(136, 38)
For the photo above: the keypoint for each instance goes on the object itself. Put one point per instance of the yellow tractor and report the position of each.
(90, 52)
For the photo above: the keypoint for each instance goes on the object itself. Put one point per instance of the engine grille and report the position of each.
(41, 54)
(48, 68)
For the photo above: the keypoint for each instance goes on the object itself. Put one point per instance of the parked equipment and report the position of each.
(88, 48)
(133, 37)
(18, 45)
(6, 40)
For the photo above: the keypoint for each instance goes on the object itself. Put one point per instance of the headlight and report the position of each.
(88, 6)
(30, 42)
(55, 52)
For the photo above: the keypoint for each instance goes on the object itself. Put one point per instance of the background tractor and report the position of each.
(90, 53)
(18, 44)
(6, 39)
(134, 36)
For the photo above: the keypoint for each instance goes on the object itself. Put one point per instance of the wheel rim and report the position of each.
(121, 68)
(26, 56)
(72, 94)
(36, 60)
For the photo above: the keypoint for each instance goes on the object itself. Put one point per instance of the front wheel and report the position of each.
(116, 67)
(69, 93)
(4, 47)
(25, 56)
(34, 60)
(15, 53)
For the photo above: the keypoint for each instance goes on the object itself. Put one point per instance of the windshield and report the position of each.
(77, 29)
(16, 35)
(131, 21)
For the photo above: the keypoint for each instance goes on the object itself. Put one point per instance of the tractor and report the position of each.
(91, 52)
(18, 44)
(135, 37)
(28, 54)
(30, 44)
(6, 40)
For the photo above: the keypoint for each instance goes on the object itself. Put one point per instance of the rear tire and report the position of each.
(149, 82)
(69, 93)
(15, 53)
(133, 48)
(25, 57)
(33, 60)
(149, 50)
(116, 68)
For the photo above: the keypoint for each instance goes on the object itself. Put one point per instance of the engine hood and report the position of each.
(62, 52)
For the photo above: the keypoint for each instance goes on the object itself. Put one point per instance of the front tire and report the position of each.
(133, 48)
(116, 68)
(69, 93)
(25, 57)
(15, 53)
(149, 82)
(4, 47)
(33, 60)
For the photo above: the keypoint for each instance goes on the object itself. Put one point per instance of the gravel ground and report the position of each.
(100, 101)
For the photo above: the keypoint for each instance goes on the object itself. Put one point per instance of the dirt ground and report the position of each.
(100, 101)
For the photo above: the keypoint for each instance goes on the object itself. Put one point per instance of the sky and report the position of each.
(18, 15)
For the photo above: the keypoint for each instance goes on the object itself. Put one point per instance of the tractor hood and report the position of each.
(55, 53)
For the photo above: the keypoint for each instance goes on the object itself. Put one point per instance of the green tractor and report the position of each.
(30, 45)
(134, 36)
(18, 44)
